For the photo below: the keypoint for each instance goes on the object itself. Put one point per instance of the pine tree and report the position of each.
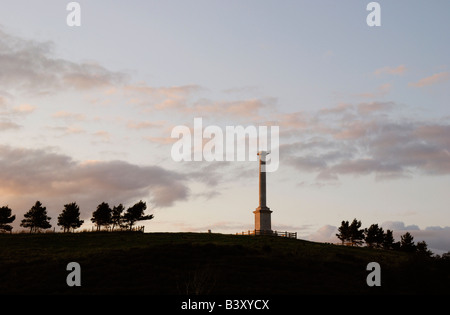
(344, 232)
(5, 219)
(407, 243)
(116, 217)
(446, 256)
(36, 218)
(102, 216)
(388, 240)
(70, 217)
(136, 213)
(374, 236)
(422, 249)
(356, 234)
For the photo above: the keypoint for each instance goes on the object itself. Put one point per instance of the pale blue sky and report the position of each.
(363, 111)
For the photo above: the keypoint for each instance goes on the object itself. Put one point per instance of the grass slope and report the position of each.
(200, 263)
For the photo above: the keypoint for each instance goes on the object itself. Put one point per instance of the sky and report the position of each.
(86, 112)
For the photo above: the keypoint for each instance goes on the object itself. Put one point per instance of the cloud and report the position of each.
(350, 111)
(3, 102)
(437, 228)
(353, 130)
(437, 134)
(296, 120)
(55, 179)
(399, 70)
(8, 115)
(398, 226)
(243, 90)
(382, 90)
(164, 92)
(325, 234)
(308, 163)
(364, 167)
(160, 140)
(433, 79)
(24, 109)
(212, 173)
(30, 66)
(161, 98)
(248, 108)
(185, 100)
(68, 130)
(140, 125)
(375, 141)
(69, 116)
(102, 135)
(338, 109)
(8, 125)
(373, 107)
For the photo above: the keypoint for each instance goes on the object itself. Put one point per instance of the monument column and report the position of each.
(262, 182)
(262, 214)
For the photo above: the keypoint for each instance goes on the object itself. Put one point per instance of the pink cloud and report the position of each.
(353, 130)
(376, 143)
(144, 124)
(382, 90)
(389, 70)
(435, 78)
(368, 108)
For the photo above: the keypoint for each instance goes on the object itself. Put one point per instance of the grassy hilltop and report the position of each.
(201, 263)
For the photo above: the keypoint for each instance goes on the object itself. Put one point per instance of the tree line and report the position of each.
(375, 237)
(36, 219)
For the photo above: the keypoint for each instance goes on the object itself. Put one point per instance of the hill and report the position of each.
(202, 263)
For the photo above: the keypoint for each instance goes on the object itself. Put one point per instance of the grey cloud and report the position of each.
(410, 146)
(326, 233)
(55, 179)
(437, 228)
(372, 107)
(365, 109)
(362, 144)
(30, 66)
(307, 163)
(382, 170)
(398, 226)
(6, 124)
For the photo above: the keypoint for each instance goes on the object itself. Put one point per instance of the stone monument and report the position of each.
(263, 223)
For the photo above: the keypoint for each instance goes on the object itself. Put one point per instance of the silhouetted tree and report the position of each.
(396, 245)
(116, 217)
(36, 218)
(136, 213)
(422, 249)
(102, 216)
(70, 217)
(407, 243)
(356, 234)
(5, 219)
(388, 240)
(374, 236)
(344, 232)
(446, 256)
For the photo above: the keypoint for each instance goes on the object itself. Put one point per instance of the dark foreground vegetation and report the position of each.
(197, 263)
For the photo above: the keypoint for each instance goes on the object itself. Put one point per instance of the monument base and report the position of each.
(263, 220)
